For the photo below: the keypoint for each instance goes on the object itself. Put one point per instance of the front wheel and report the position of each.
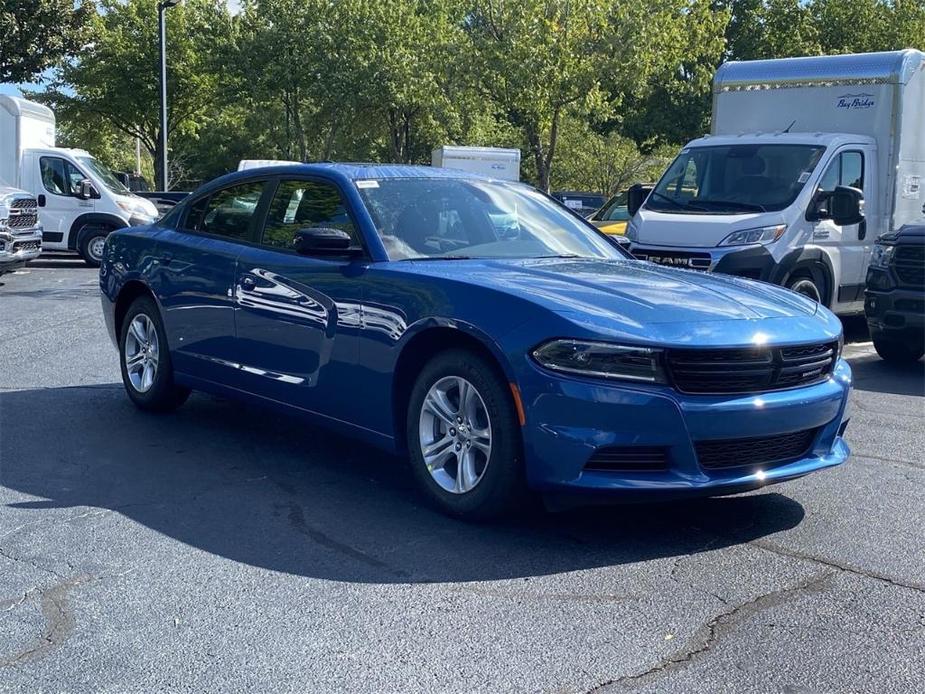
(92, 244)
(464, 438)
(147, 373)
(898, 352)
(804, 283)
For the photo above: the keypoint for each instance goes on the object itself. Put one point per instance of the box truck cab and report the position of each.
(809, 161)
(80, 201)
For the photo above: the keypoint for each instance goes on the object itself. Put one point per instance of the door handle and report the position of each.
(248, 282)
(41, 200)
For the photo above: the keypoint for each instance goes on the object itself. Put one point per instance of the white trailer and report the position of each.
(495, 162)
(772, 192)
(79, 199)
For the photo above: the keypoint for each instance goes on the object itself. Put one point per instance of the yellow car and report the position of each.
(612, 217)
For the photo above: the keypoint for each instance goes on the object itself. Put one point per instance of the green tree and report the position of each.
(38, 34)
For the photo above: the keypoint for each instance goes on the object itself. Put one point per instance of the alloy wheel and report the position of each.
(141, 353)
(96, 247)
(455, 434)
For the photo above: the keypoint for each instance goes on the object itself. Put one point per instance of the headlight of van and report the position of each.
(882, 255)
(631, 231)
(758, 235)
(601, 360)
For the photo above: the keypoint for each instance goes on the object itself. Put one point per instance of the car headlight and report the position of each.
(136, 210)
(631, 231)
(882, 255)
(601, 359)
(757, 235)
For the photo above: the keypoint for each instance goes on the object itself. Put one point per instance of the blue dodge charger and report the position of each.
(478, 328)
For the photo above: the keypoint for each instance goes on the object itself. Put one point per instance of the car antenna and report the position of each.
(787, 129)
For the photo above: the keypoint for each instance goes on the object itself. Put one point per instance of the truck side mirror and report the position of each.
(635, 196)
(844, 206)
(86, 191)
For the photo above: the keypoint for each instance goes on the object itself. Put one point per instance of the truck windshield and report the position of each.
(732, 179)
(104, 174)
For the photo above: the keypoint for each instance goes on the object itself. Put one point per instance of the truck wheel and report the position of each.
(92, 243)
(804, 283)
(898, 352)
(464, 438)
(147, 373)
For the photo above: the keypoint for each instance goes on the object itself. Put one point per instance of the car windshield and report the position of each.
(614, 210)
(732, 179)
(450, 218)
(105, 175)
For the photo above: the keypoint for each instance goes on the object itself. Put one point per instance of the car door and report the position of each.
(58, 203)
(850, 167)
(195, 277)
(297, 317)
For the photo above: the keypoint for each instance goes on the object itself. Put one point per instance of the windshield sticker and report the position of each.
(367, 184)
(573, 204)
(804, 177)
(911, 187)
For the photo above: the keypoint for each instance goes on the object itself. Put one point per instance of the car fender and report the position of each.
(92, 219)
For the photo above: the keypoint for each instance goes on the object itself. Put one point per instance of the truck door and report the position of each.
(852, 243)
(56, 187)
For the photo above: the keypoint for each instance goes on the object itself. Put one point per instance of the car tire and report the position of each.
(92, 242)
(898, 352)
(462, 478)
(144, 357)
(804, 283)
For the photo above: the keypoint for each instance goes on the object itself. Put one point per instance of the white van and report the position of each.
(496, 162)
(809, 161)
(79, 200)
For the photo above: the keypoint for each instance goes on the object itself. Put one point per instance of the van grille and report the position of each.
(750, 369)
(758, 451)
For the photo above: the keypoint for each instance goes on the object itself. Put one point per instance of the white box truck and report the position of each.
(79, 200)
(495, 162)
(809, 160)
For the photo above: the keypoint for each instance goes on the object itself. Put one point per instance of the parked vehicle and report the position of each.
(612, 216)
(478, 327)
(495, 162)
(584, 204)
(894, 300)
(20, 232)
(163, 200)
(80, 201)
(809, 161)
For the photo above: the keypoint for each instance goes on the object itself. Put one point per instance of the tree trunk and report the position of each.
(539, 156)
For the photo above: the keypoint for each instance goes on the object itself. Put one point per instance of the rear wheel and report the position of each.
(898, 352)
(147, 373)
(92, 244)
(464, 438)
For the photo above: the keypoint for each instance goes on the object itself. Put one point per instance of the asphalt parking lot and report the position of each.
(224, 548)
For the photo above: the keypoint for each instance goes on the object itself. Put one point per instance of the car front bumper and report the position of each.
(17, 249)
(570, 419)
(897, 312)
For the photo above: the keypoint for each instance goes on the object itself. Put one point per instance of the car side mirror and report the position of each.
(635, 196)
(86, 191)
(844, 206)
(324, 241)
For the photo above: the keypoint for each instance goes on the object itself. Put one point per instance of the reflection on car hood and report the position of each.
(630, 291)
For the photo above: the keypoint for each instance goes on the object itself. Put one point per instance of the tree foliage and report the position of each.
(38, 34)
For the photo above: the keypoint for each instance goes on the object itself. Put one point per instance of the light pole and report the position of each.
(162, 7)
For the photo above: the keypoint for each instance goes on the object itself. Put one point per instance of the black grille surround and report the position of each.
(760, 451)
(750, 369)
(909, 265)
(628, 459)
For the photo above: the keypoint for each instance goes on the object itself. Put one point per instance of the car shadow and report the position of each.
(873, 374)
(277, 493)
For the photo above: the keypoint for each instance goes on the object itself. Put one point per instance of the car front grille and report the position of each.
(26, 246)
(750, 369)
(23, 214)
(909, 265)
(628, 459)
(761, 451)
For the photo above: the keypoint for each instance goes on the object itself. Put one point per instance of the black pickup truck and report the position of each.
(163, 200)
(894, 300)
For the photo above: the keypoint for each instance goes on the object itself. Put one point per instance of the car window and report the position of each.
(59, 176)
(847, 169)
(301, 205)
(226, 212)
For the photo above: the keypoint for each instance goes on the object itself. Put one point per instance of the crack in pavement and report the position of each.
(898, 461)
(59, 622)
(854, 570)
(708, 634)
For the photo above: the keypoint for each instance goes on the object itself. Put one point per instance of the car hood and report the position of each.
(630, 294)
(696, 230)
